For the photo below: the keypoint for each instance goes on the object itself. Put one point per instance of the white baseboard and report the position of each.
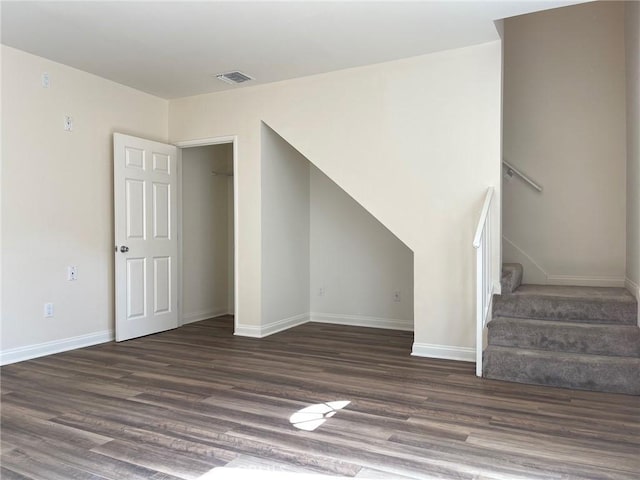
(203, 315)
(362, 321)
(448, 352)
(590, 281)
(248, 331)
(260, 331)
(20, 354)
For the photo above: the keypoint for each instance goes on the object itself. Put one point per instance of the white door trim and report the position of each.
(203, 142)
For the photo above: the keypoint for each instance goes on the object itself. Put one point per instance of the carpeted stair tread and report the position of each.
(585, 293)
(569, 337)
(511, 277)
(560, 303)
(568, 370)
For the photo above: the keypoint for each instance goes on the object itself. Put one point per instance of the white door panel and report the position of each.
(145, 208)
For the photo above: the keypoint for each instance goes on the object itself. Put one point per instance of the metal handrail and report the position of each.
(511, 170)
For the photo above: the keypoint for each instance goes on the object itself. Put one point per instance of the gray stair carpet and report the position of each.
(569, 370)
(511, 277)
(574, 337)
(582, 304)
(587, 338)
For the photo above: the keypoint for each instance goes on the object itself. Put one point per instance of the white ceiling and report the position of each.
(172, 49)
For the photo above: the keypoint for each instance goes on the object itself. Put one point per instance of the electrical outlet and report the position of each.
(46, 81)
(48, 310)
(396, 296)
(72, 273)
(321, 292)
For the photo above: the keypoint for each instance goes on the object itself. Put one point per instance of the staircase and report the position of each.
(574, 337)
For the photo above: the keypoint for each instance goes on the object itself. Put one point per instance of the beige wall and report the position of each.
(416, 142)
(632, 48)
(285, 236)
(57, 197)
(205, 231)
(357, 262)
(564, 125)
(315, 236)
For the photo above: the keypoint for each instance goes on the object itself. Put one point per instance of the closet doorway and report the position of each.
(207, 220)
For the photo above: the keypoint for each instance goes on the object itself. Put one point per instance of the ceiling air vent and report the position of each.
(234, 78)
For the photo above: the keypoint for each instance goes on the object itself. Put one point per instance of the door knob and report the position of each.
(124, 249)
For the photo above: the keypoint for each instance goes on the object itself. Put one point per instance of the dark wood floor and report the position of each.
(178, 404)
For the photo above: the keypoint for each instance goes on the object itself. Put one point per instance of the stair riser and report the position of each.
(615, 377)
(565, 310)
(594, 340)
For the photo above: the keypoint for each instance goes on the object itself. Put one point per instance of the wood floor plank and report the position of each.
(17, 411)
(45, 452)
(55, 432)
(156, 459)
(175, 405)
(250, 462)
(549, 448)
(150, 435)
(371, 474)
(394, 461)
(509, 462)
(7, 474)
(32, 466)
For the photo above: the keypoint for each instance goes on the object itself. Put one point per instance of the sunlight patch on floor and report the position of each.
(310, 418)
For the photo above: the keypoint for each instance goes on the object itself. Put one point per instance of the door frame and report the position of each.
(204, 142)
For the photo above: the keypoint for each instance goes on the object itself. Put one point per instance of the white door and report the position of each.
(145, 208)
